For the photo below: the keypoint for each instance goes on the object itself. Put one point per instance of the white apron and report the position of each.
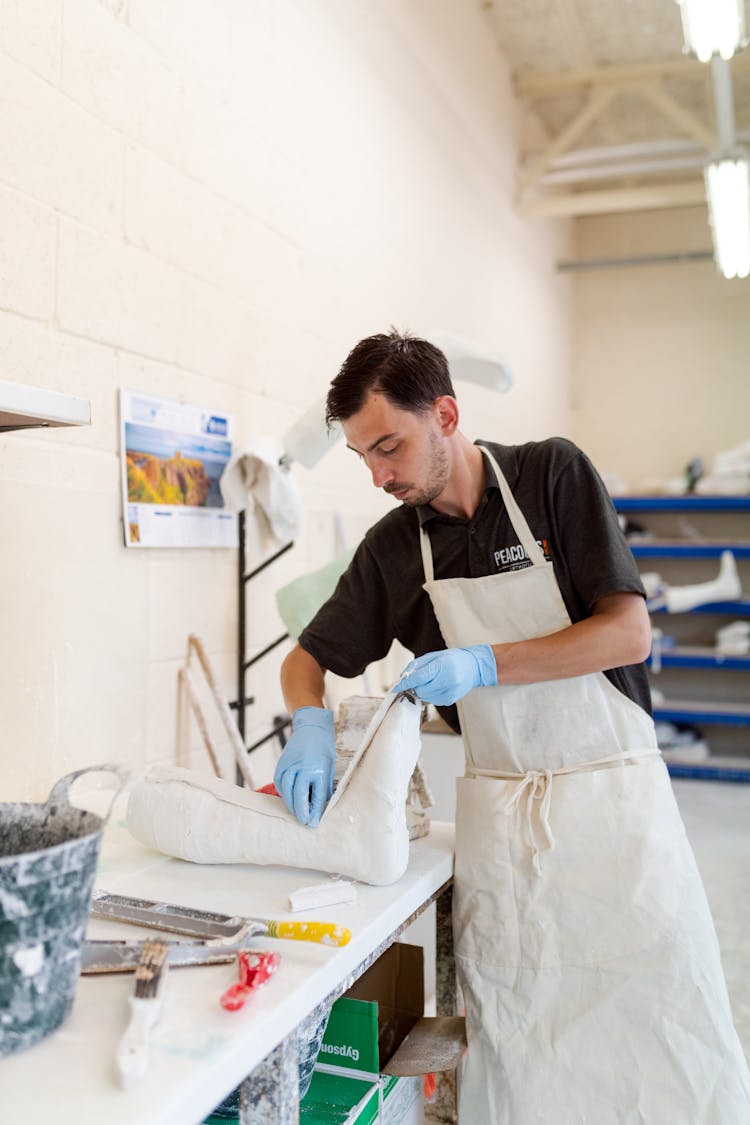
(585, 947)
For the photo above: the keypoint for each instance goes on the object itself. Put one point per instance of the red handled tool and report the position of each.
(256, 967)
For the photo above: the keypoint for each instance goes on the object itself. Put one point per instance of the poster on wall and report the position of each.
(172, 457)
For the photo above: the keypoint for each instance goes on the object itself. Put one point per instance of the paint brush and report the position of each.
(145, 1009)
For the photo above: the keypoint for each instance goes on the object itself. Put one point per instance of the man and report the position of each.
(585, 950)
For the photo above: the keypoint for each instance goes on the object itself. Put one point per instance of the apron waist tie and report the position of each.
(536, 785)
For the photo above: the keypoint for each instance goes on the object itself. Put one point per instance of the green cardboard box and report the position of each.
(365, 1028)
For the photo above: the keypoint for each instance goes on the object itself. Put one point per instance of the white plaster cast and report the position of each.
(362, 833)
(681, 599)
(725, 587)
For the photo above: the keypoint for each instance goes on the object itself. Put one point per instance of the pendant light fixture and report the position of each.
(728, 191)
(713, 27)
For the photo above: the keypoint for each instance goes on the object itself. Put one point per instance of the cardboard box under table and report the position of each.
(366, 1071)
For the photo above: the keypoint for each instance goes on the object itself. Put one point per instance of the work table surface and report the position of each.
(199, 1051)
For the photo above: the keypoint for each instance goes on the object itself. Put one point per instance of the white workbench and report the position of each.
(199, 1051)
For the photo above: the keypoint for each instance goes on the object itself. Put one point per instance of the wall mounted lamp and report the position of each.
(308, 440)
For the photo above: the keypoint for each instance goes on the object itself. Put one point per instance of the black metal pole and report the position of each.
(264, 652)
(280, 726)
(263, 565)
(241, 640)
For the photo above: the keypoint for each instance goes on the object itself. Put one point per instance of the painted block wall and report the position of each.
(215, 201)
(661, 351)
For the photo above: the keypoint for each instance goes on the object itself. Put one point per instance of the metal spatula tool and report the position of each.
(104, 956)
(210, 927)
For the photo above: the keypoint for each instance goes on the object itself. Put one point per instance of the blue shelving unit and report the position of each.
(727, 715)
(740, 608)
(710, 773)
(681, 503)
(707, 715)
(701, 658)
(675, 549)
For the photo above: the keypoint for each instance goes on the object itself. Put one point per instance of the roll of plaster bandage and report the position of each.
(323, 894)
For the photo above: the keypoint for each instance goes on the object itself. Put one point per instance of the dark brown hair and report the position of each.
(411, 373)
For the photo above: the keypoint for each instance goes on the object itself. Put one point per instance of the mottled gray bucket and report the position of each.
(48, 857)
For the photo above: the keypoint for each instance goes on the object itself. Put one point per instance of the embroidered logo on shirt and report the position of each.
(515, 557)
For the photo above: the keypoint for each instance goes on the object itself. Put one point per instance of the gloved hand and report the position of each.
(304, 774)
(443, 677)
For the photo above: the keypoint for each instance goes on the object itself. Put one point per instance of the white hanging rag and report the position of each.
(253, 478)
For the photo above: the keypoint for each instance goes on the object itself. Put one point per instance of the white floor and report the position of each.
(717, 818)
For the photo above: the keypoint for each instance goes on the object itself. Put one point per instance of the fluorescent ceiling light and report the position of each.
(728, 191)
(713, 27)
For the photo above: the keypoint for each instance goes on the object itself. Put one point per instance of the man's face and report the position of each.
(405, 452)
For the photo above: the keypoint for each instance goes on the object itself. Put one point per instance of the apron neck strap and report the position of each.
(515, 515)
(518, 522)
(426, 548)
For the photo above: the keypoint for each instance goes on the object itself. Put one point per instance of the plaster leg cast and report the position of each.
(362, 833)
(681, 599)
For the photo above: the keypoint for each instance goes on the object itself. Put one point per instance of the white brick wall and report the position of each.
(57, 153)
(28, 236)
(215, 201)
(678, 387)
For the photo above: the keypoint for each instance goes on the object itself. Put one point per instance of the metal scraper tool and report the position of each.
(210, 927)
(116, 956)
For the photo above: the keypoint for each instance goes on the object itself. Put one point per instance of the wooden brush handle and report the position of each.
(325, 933)
(132, 1050)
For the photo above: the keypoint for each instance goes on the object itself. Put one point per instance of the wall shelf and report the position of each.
(682, 503)
(739, 608)
(25, 408)
(680, 549)
(700, 772)
(721, 714)
(699, 656)
(703, 688)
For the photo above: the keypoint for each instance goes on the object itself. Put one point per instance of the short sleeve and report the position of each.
(355, 626)
(594, 551)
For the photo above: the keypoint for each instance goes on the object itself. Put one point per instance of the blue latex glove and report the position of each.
(304, 774)
(446, 676)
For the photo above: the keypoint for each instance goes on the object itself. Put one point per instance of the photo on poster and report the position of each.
(173, 455)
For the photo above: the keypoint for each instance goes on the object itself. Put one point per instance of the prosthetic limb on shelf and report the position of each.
(681, 599)
(725, 587)
(362, 833)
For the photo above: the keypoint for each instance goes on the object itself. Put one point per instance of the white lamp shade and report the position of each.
(473, 363)
(309, 439)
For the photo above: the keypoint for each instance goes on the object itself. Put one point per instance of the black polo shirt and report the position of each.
(569, 512)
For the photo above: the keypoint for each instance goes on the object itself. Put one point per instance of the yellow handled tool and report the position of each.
(207, 926)
(325, 933)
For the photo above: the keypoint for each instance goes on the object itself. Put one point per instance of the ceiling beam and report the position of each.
(648, 166)
(632, 150)
(531, 84)
(658, 96)
(651, 197)
(590, 111)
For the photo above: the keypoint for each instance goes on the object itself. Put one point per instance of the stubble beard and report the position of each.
(437, 476)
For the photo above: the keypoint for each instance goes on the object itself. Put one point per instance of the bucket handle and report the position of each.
(59, 794)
